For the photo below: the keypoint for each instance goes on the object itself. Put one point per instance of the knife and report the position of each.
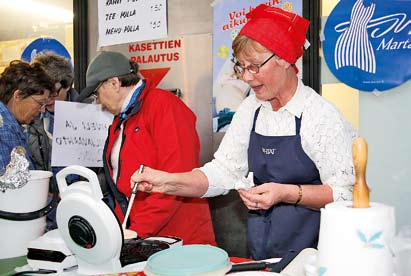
(252, 266)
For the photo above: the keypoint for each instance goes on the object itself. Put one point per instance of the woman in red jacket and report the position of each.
(152, 127)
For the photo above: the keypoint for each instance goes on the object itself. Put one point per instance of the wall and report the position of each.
(384, 122)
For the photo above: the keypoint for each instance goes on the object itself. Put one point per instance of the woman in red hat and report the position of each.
(296, 143)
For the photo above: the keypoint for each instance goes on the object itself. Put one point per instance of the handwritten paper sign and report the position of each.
(124, 21)
(80, 131)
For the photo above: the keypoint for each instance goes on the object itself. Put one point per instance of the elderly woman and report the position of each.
(296, 143)
(24, 93)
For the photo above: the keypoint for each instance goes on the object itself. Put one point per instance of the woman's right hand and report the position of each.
(150, 180)
(190, 184)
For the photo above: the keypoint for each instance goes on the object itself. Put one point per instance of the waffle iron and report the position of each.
(92, 232)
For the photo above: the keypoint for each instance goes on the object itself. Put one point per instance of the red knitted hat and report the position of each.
(280, 31)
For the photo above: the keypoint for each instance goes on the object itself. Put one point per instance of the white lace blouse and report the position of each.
(326, 138)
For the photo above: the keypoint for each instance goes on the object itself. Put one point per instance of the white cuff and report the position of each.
(212, 190)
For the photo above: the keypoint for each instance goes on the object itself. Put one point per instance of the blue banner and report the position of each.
(367, 43)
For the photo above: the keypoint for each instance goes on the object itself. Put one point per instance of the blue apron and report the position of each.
(285, 228)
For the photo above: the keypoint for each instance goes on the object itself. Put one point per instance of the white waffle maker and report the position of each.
(91, 230)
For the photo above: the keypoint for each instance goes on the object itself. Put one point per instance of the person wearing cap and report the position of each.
(153, 127)
(296, 143)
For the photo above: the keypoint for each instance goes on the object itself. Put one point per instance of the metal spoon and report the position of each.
(133, 195)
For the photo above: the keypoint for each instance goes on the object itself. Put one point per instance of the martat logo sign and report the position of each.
(367, 44)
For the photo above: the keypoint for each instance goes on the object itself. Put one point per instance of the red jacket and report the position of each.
(161, 135)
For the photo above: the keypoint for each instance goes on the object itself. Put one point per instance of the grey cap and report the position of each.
(104, 66)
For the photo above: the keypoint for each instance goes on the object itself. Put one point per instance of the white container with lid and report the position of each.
(14, 235)
(189, 260)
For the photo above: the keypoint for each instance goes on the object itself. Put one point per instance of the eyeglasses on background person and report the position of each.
(41, 104)
(94, 96)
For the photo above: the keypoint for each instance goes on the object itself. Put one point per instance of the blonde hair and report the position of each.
(247, 46)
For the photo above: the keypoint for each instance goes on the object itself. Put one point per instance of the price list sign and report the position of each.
(124, 21)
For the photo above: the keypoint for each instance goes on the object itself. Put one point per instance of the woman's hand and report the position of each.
(262, 196)
(190, 184)
(150, 180)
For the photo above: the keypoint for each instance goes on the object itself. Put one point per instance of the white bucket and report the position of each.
(14, 235)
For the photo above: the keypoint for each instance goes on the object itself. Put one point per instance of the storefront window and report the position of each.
(24, 21)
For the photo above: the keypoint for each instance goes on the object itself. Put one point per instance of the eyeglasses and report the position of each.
(95, 92)
(42, 105)
(252, 68)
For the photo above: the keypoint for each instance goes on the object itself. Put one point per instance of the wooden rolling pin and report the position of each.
(361, 193)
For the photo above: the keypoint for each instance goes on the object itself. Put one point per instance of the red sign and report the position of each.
(155, 74)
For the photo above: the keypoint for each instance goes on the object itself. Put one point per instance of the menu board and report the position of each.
(124, 21)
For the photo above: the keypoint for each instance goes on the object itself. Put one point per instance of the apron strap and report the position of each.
(298, 124)
(255, 118)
